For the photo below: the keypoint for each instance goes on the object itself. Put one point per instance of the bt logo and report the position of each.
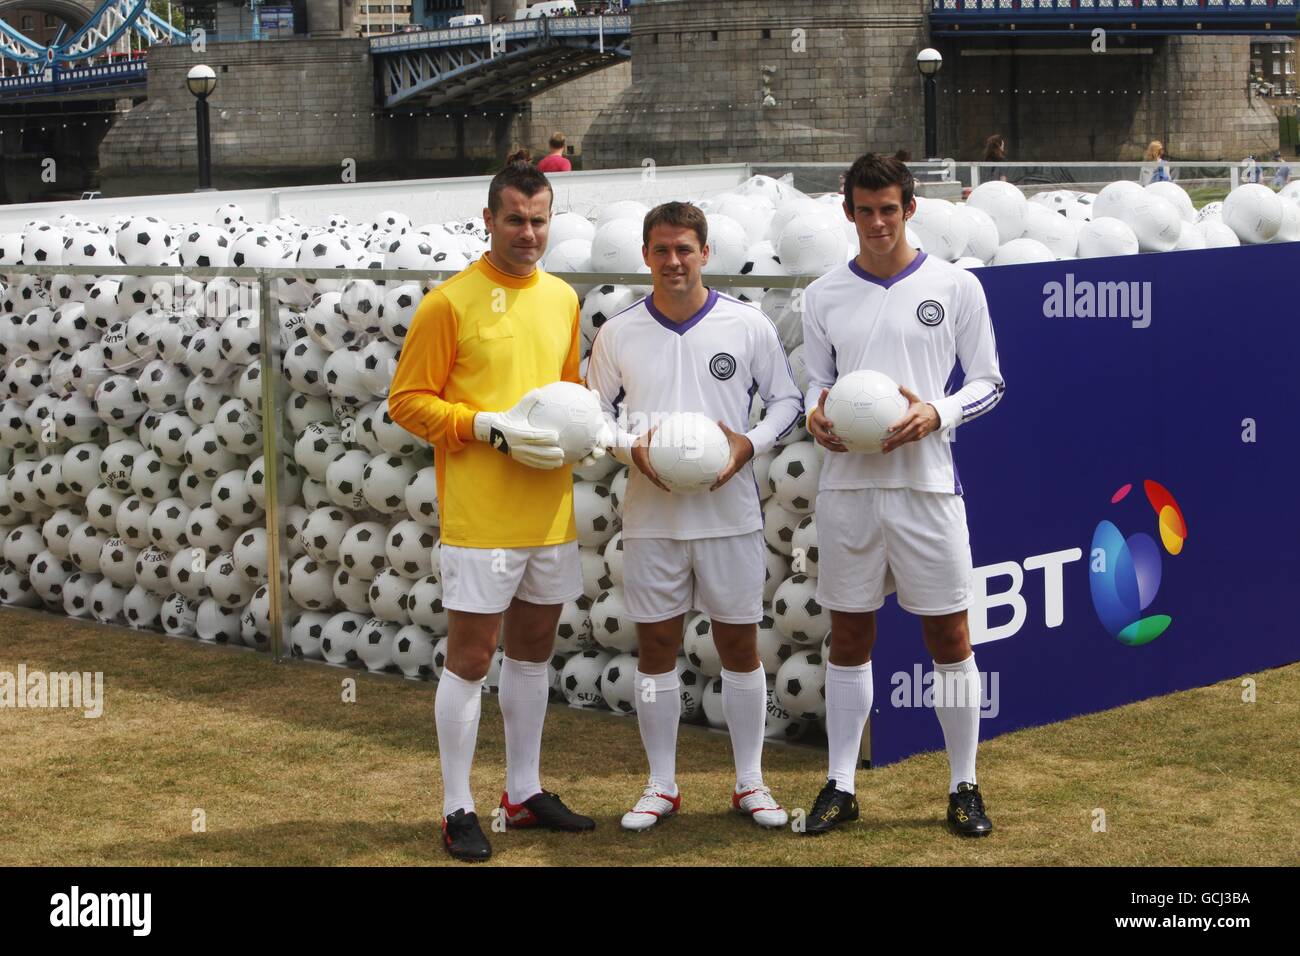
(1124, 574)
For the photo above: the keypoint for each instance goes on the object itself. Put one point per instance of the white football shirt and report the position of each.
(924, 327)
(645, 367)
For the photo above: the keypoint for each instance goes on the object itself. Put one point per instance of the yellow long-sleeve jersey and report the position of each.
(479, 342)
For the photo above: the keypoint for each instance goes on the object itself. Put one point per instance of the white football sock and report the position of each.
(744, 704)
(457, 704)
(524, 690)
(658, 720)
(848, 705)
(957, 705)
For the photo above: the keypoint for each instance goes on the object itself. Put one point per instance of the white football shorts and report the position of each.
(722, 577)
(486, 580)
(872, 542)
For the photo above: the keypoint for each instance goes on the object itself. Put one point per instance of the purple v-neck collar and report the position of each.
(681, 328)
(862, 273)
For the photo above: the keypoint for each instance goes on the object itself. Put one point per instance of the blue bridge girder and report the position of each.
(959, 18)
(103, 81)
(464, 69)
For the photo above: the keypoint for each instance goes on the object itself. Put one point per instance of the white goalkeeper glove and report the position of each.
(603, 441)
(511, 434)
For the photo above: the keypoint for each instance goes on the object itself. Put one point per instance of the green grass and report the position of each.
(286, 773)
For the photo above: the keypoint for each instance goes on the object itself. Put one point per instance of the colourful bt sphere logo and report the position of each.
(1125, 573)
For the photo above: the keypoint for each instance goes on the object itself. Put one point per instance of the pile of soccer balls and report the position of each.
(132, 477)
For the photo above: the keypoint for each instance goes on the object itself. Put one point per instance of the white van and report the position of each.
(470, 20)
(552, 8)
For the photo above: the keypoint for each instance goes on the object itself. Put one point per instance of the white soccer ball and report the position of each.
(804, 546)
(688, 451)
(1020, 251)
(375, 643)
(1176, 196)
(388, 596)
(573, 633)
(801, 684)
(616, 247)
(593, 511)
(610, 627)
(218, 623)
(1005, 205)
(311, 583)
(1059, 234)
(574, 413)
(812, 244)
(861, 406)
(424, 604)
(796, 613)
(340, 636)
(778, 527)
(601, 304)
(793, 476)
(1106, 236)
(1217, 233)
(413, 651)
(699, 648)
(1253, 212)
(780, 723)
(305, 634)
(943, 230)
(580, 679)
(618, 684)
(362, 549)
(711, 704)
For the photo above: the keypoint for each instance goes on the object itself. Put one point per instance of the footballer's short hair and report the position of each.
(875, 171)
(680, 214)
(521, 175)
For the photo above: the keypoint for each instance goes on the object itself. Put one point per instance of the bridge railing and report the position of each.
(1138, 9)
(56, 80)
(502, 32)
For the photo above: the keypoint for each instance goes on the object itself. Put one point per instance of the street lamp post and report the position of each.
(202, 80)
(929, 61)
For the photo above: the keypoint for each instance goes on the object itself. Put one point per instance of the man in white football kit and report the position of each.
(687, 348)
(896, 521)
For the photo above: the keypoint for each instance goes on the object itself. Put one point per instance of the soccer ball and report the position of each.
(340, 637)
(773, 649)
(711, 703)
(209, 531)
(574, 413)
(48, 574)
(304, 365)
(227, 584)
(378, 363)
(778, 528)
(1253, 212)
(616, 246)
(691, 684)
(796, 612)
(609, 626)
(186, 573)
(343, 479)
(573, 633)
(317, 447)
(612, 555)
(1106, 236)
(167, 521)
(375, 644)
(699, 648)
(804, 550)
(311, 583)
(76, 594)
(413, 651)
(106, 601)
(178, 615)
(388, 596)
(793, 476)
(424, 605)
(351, 591)
(811, 244)
(407, 549)
(305, 633)
(141, 608)
(250, 555)
(362, 549)
(421, 497)
(580, 679)
(688, 451)
(389, 436)
(15, 588)
(384, 481)
(593, 510)
(322, 533)
(601, 304)
(780, 723)
(618, 684)
(1005, 205)
(801, 685)
(151, 571)
(216, 622)
(861, 406)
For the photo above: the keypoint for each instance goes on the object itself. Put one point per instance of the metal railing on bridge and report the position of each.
(1142, 16)
(53, 81)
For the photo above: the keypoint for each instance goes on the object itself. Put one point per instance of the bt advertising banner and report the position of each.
(1131, 500)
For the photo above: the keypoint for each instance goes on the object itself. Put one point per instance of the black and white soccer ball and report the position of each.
(801, 684)
(311, 583)
(797, 614)
(217, 622)
(618, 684)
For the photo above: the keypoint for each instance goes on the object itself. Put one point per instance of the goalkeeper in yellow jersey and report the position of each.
(479, 347)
